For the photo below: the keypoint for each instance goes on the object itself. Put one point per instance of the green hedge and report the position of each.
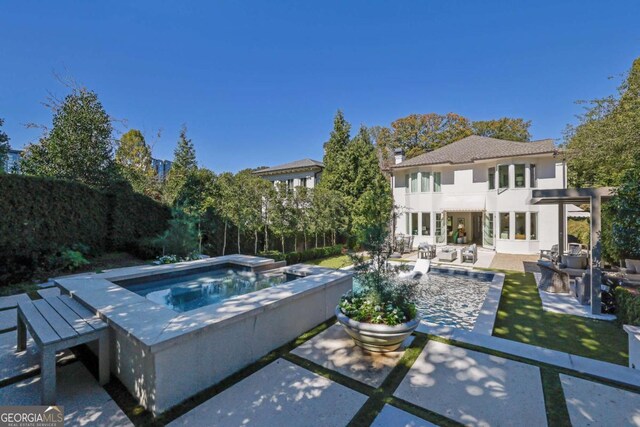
(38, 216)
(628, 302)
(308, 255)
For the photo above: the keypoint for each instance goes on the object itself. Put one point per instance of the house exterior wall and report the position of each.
(312, 178)
(465, 189)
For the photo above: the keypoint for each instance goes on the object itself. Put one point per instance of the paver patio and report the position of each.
(392, 416)
(593, 404)
(474, 388)
(334, 349)
(281, 393)
(85, 402)
(8, 319)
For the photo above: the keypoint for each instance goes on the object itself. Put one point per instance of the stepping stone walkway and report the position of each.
(13, 300)
(334, 349)
(593, 404)
(392, 416)
(14, 364)
(8, 319)
(474, 388)
(49, 292)
(84, 401)
(279, 394)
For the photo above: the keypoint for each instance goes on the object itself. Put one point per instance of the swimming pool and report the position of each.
(188, 292)
(451, 297)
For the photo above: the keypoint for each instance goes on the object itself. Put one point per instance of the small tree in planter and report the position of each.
(380, 313)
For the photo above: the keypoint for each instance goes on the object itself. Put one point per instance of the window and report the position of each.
(303, 182)
(533, 178)
(533, 227)
(520, 226)
(414, 182)
(488, 229)
(504, 225)
(425, 177)
(519, 176)
(290, 184)
(408, 223)
(439, 228)
(407, 182)
(437, 182)
(503, 176)
(492, 178)
(414, 224)
(426, 224)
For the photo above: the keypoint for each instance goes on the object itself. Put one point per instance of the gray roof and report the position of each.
(298, 164)
(472, 148)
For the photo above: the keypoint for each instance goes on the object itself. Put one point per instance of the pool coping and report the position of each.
(157, 327)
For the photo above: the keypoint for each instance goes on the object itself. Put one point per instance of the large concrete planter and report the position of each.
(376, 338)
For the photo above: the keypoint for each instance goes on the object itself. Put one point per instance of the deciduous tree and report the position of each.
(133, 158)
(4, 147)
(79, 146)
(511, 129)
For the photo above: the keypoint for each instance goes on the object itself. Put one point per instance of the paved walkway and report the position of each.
(512, 262)
(485, 258)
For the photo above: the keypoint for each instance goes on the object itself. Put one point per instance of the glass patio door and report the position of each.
(488, 240)
(441, 228)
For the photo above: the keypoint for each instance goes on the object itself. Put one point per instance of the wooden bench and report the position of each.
(58, 323)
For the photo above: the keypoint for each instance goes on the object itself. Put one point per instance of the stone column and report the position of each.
(561, 229)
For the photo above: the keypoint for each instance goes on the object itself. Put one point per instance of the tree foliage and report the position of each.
(606, 142)
(184, 163)
(79, 146)
(4, 147)
(624, 218)
(133, 158)
(419, 133)
(505, 128)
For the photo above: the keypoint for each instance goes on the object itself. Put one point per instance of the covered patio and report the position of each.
(576, 196)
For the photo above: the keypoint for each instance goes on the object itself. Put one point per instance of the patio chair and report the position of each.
(420, 269)
(426, 250)
(470, 253)
(551, 255)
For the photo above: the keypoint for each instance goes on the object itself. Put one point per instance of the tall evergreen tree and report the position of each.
(133, 158)
(336, 173)
(184, 163)
(79, 146)
(4, 147)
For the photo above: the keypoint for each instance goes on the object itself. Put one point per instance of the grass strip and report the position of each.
(554, 400)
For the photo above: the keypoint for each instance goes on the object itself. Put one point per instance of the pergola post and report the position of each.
(596, 253)
(561, 231)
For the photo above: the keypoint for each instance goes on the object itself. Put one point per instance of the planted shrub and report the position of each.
(308, 255)
(628, 306)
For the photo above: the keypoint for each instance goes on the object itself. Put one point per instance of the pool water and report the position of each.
(451, 297)
(191, 291)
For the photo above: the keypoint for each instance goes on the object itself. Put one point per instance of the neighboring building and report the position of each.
(301, 173)
(161, 167)
(479, 189)
(12, 164)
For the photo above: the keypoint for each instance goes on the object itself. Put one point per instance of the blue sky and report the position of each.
(258, 83)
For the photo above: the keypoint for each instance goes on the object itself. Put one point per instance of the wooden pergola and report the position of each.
(594, 197)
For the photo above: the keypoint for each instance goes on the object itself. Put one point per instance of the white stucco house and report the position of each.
(300, 173)
(478, 190)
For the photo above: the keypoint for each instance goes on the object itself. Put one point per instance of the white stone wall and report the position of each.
(312, 178)
(465, 188)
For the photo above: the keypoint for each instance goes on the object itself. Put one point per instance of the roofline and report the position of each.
(262, 172)
(400, 166)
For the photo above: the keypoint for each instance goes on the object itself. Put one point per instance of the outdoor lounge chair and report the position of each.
(470, 253)
(551, 255)
(631, 272)
(552, 279)
(426, 250)
(421, 268)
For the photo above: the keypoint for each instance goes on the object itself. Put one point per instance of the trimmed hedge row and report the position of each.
(628, 310)
(308, 255)
(38, 216)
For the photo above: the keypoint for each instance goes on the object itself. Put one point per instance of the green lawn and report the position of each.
(521, 318)
(337, 261)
